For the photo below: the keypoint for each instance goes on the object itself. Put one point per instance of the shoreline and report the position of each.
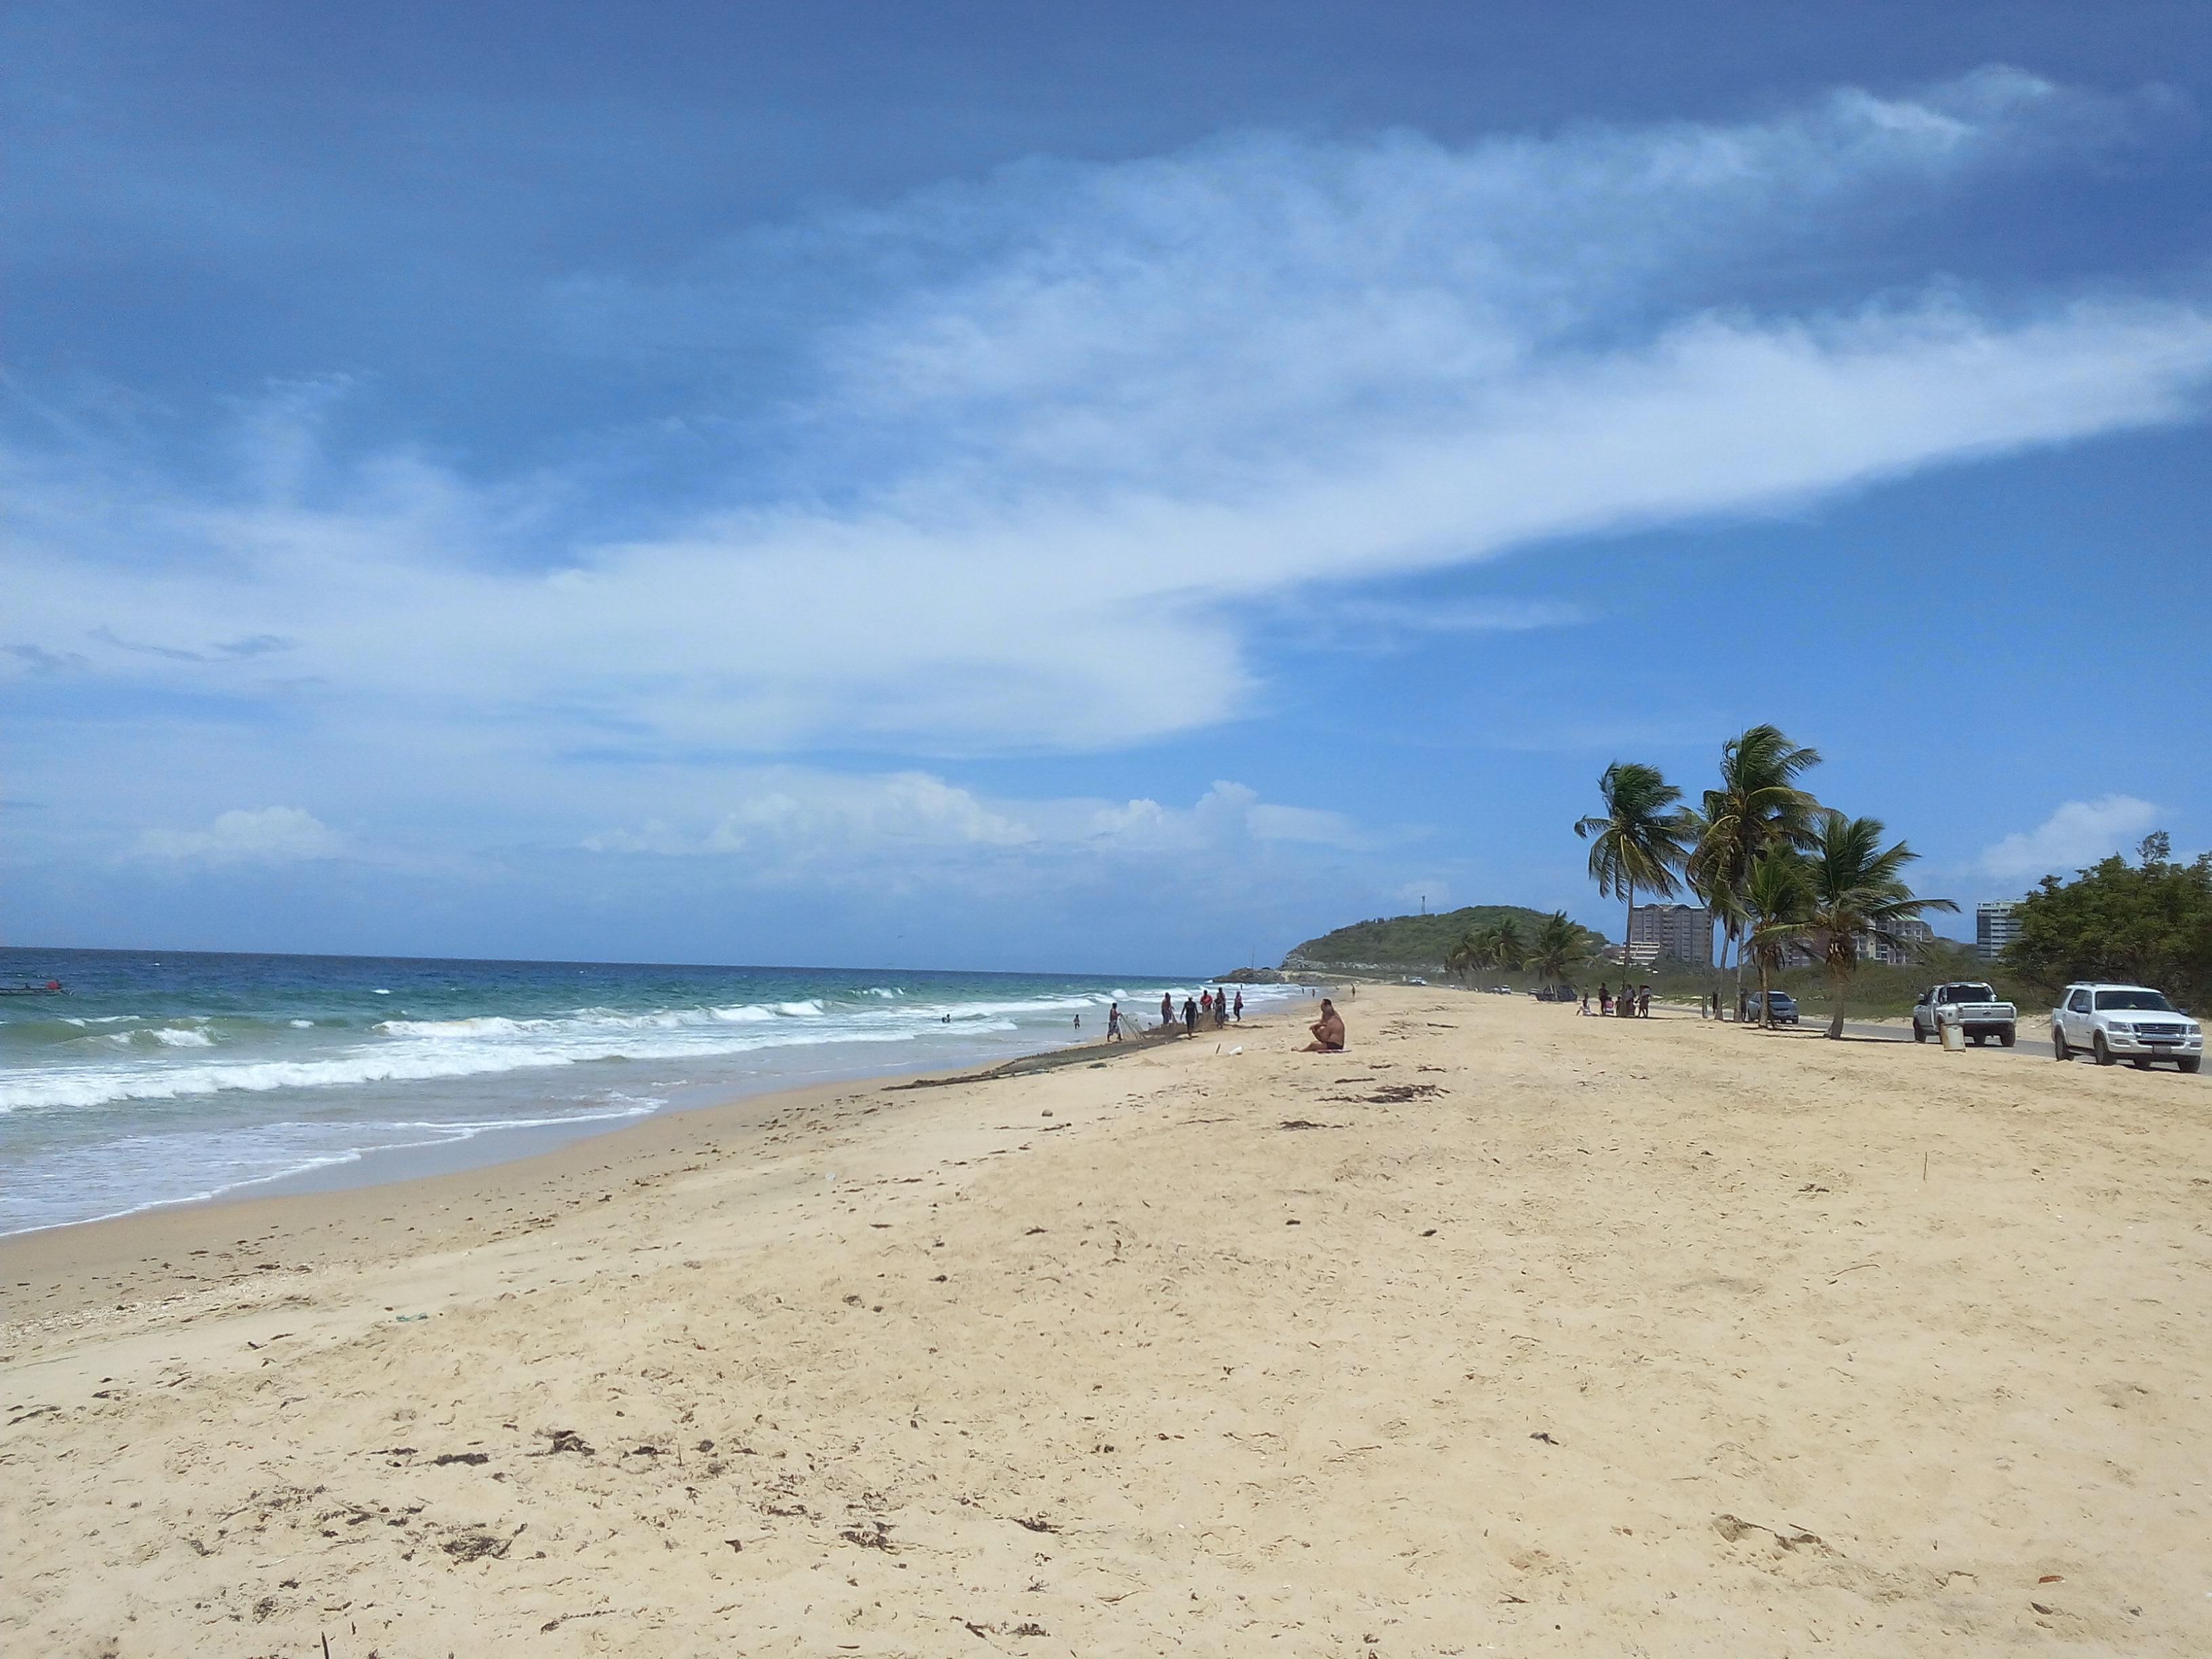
(68, 1259)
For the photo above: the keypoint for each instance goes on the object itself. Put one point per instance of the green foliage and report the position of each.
(1561, 950)
(1857, 890)
(1640, 840)
(1757, 810)
(1412, 944)
(2146, 924)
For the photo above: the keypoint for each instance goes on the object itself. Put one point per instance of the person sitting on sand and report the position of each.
(1327, 1030)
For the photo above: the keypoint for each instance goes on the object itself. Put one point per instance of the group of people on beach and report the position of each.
(1634, 1003)
(1209, 1006)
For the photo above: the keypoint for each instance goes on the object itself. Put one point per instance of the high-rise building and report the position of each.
(1679, 932)
(1912, 935)
(1995, 925)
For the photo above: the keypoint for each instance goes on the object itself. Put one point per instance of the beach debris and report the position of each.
(410, 1319)
(2040, 1608)
(470, 1458)
(2050, 1578)
(1035, 1522)
(869, 1535)
(475, 1544)
(1306, 1123)
(565, 1440)
(1732, 1526)
(736, 1544)
(1545, 1438)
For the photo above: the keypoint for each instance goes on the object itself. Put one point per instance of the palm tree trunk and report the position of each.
(1839, 978)
(1765, 994)
(1627, 927)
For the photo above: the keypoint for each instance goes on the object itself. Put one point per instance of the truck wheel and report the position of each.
(2098, 1048)
(2140, 1065)
(2008, 1037)
(2189, 1062)
(2059, 1048)
(1978, 1041)
(1918, 1035)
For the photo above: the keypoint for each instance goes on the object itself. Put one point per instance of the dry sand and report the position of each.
(1506, 1331)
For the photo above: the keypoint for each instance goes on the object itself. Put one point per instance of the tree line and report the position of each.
(2147, 923)
(1777, 868)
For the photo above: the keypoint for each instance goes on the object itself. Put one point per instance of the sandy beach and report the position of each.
(1505, 1331)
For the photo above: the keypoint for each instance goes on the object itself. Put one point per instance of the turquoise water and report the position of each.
(162, 1077)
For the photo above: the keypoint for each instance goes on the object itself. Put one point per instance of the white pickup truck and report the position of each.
(1975, 1008)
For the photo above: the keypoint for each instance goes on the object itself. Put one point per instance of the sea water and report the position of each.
(160, 1078)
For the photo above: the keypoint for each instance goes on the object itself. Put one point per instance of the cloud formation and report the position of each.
(270, 834)
(2075, 835)
(783, 818)
(1040, 496)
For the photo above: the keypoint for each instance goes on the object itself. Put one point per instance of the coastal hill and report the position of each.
(1404, 944)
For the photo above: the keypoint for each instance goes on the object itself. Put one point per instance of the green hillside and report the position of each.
(1412, 943)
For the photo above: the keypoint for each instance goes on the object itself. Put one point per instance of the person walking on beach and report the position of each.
(1327, 1031)
(1113, 1024)
(1644, 1002)
(1604, 997)
(1189, 1017)
(1220, 1009)
(1240, 1007)
(1167, 1010)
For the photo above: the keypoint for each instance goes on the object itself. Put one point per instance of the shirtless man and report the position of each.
(1328, 1032)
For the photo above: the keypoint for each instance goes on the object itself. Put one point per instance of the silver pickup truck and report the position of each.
(1974, 1006)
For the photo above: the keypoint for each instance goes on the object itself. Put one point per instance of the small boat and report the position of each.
(51, 987)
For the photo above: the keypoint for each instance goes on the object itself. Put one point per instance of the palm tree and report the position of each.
(1640, 840)
(1856, 893)
(1776, 897)
(1560, 950)
(1466, 956)
(1507, 947)
(1758, 808)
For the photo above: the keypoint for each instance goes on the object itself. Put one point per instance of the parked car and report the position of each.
(1785, 1008)
(2134, 1022)
(1969, 1003)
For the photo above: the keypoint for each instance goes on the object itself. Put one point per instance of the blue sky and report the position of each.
(1120, 488)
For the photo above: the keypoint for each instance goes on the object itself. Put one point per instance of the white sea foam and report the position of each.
(303, 1025)
(171, 1037)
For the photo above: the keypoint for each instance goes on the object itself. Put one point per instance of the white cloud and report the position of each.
(271, 834)
(2077, 834)
(785, 817)
(1047, 494)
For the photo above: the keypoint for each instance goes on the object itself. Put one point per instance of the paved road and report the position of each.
(2033, 1041)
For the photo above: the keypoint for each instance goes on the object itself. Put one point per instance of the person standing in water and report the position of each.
(1167, 1010)
(1113, 1024)
(1240, 1007)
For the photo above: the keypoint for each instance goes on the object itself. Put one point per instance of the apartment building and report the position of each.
(1995, 925)
(1676, 932)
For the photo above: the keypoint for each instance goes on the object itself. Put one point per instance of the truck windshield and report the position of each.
(2147, 1001)
(1966, 994)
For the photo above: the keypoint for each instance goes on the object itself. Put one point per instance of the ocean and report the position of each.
(165, 1077)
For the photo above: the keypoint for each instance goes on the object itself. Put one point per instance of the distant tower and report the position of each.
(1995, 925)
